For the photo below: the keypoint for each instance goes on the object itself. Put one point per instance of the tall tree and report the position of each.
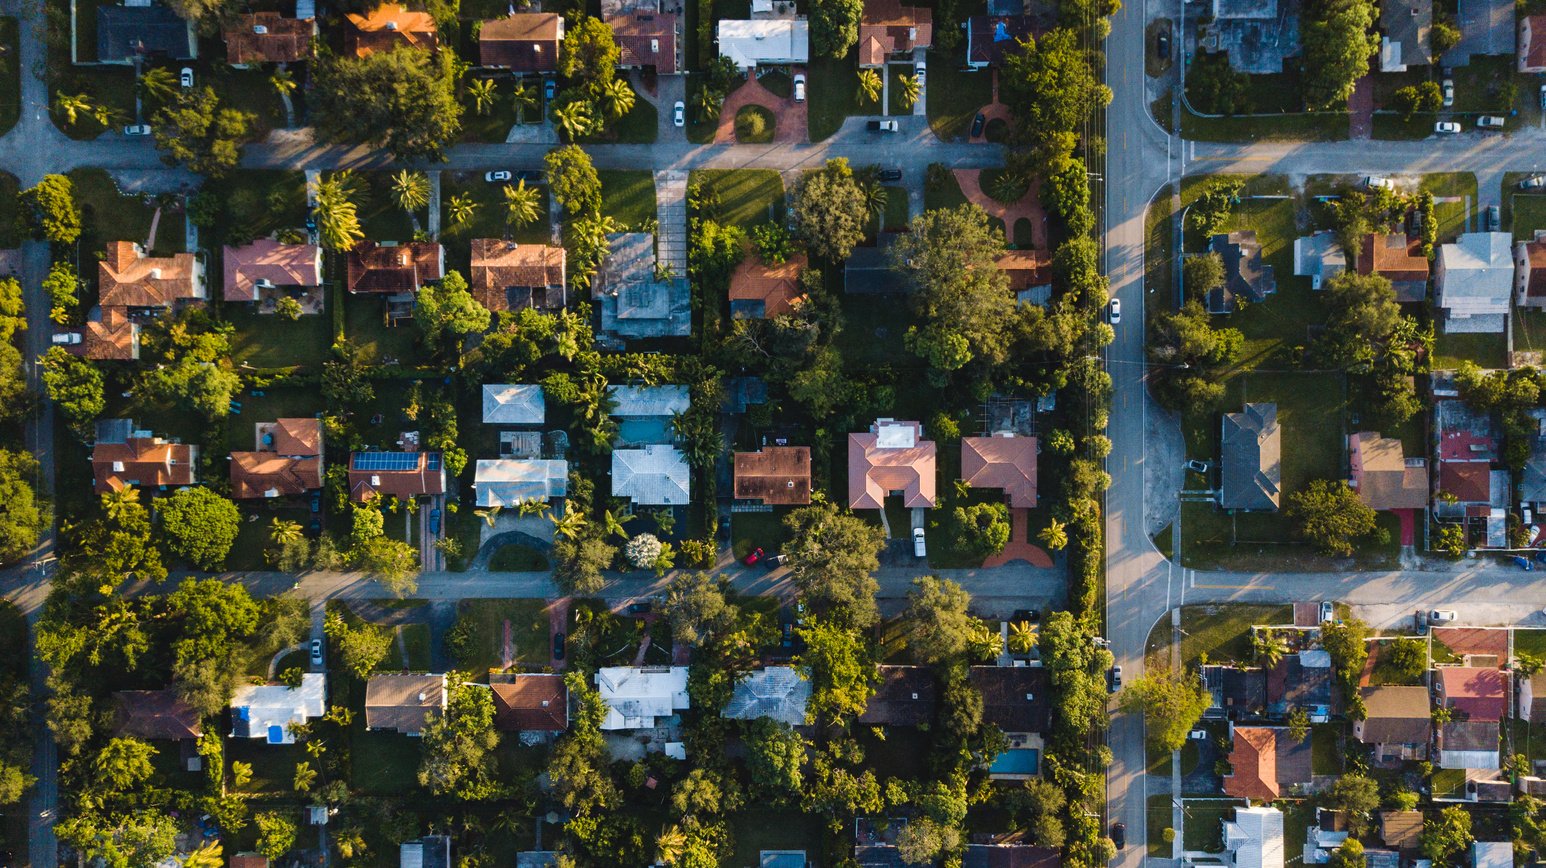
(1052, 84)
(459, 759)
(523, 204)
(835, 26)
(589, 54)
(410, 190)
(447, 311)
(24, 518)
(572, 180)
(961, 297)
(840, 669)
(200, 525)
(50, 211)
(1171, 703)
(76, 387)
(199, 132)
(403, 100)
(697, 608)
(938, 624)
(829, 210)
(832, 557)
(1329, 513)
(338, 217)
(1338, 43)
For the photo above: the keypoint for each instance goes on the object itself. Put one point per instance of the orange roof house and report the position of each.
(268, 37)
(510, 276)
(403, 475)
(1002, 462)
(762, 291)
(531, 702)
(265, 263)
(522, 42)
(892, 458)
(1398, 260)
(109, 335)
(394, 268)
(1253, 763)
(888, 27)
(129, 277)
(1532, 43)
(1474, 692)
(645, 39)
(287, 461)
(1530, 267)
(1383, 476)
(774, 475)
(1026, 268)
(386, 27)
(123, 457)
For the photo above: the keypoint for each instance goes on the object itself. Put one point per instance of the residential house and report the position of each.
(531, 702)
(1473, 282)
(890, 28)
(142, 31)
(131, 279)
(1469, 745)
(1251, 447)
(1007, 855)
(1383, 476)
(760, 290)
(1472, 692)
(157, 715)
(1259, 36)
(1238, 694)
(758, 41)
(655, 475)
(386, 27)
(123, 456)
(268, 37)
(1004, 461)
(1381, 858)
(1465, 447)
(1254, 838)
(1319, 257)
(644, 413)
(868, 270)
(774, 475)
(1530, 270)
(510, 482)
(1397, 259)
(266, 270)
(249, 860)
(778, 692)
(646, 37)
(891, 458)
(905, 696)
(403, 475)
(287, 460)
(1405, 26)
(1301, 681)
(1398, 722)
(522, 42)
(268, 711)
(1532, 43)
(430, 851)
(505, 275)
(1266, 763)
(394, 269)
(110, 336)
(989, 37)
(1492, 854)
(1401, 829)
(638, 698)
(1016, 699)
(404, 702)
(1030, 274)
(1245, 275)
(636, 298)
(514, 404)
(1532, 697)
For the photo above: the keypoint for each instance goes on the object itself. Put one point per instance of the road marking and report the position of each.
(1248, 158)
(1235, 587)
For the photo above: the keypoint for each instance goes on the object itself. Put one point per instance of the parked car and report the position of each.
(887, 176)
(1494, 218)
(1119, 835)
(1114, 311)
(498, 176)
(1328, 611)
(799, 87)
(1534, 182)
(1378, 182)
(434, 521)
(775, 561)
(1116, 678)
(979, 123)
(185, 78)
(1449, 92)
(1524, 564)
(921, 69)
(1162, 46)
(640, 608)
(530, 176)
(679, 114)
(1196, 466)
(1489, 122)
(549, 88)
(919, 547)
(316, 652)
(67, 339)
(886, 126)
(1446, 128)
(1026, 616)
(137, 130)
(1543, 97)
(1441, 616)
(558, 646)
(755, 556)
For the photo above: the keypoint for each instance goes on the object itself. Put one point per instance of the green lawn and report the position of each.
(252, 539)
(380, 217)
(10, 235)
(1223, 633)
(1453, 217)
(945, 194)
(273, 765)
(640, 126)
(485, 619)
(1327, 127)
(1160, 815)
(747, 197)
(365, 324)
(414, 639)
(832, 88)
(955, 94)
(517, 558)
(1487, 350)
(255, 204)
(271, 341)
(628, 195)
(383, 763)
(1448, 783)
(1531, 642)
(494, 125)
(872, 325)
(1326, 741)
(700, 130)
(758, 830)
(894, 218)
(754, 125)
(107, 215)
(1160, 247)
(488, 217)
(1524, 212)
(1202, 823)
(749, 530)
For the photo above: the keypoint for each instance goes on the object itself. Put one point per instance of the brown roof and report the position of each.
(888, 27)
(523, 42)
(1026, 268)
(394, 268)
(281, 40)
(249, 860)
(646, 39)
(775, 475)
(764, 291)
(1002, 462)
(904, 697)
(302, 436)
(1532, 29)
(510, 276)
(270, 474)
(267, 259)
(1468, 481)
(386, 26)
(420, 473)
(156, 714)
(1475, 692)
(1392, 256)
(403, 702)
(1014, 698)
(876, 470)
(1401, 829)
(1253, 764)
(128, 277)
(148, 461)
(1396, 715)
(1472, 642)
(1535, 251)
(531, 702)
(111, 336)
(1381, 474)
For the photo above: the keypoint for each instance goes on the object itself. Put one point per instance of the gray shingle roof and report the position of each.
(1251, 448)
(652, 476)
(512, 404)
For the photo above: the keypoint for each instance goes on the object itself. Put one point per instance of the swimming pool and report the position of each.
(1017, 761)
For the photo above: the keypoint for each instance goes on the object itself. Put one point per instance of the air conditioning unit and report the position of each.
(260, 29)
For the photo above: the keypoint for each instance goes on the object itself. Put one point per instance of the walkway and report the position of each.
(671, 220)
(1028, 207)
(790, 117)
(1020, 547)
(1360, 108)
(991, 112)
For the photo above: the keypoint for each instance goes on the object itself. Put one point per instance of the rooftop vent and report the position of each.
(391, 25)
(260, 29)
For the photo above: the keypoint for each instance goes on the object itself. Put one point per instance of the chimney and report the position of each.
(654, 46)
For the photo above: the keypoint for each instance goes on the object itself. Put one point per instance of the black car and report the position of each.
(558, 646)
(1026, 615)
(978, 123)
(639, 608)
(889, 175)
(1162, 46)
(1119, 835)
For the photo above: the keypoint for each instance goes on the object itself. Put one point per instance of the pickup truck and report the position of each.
(887, 126)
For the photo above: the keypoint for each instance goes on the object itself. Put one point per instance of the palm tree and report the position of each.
(573, 120)
(532, 506)
(1022, 637)
(615, 525)
(482, 92)
(706, 102)
(617, 98)
(869, 86)
(875, 200)
(670, 844)
(1008, 186)
(410, 190)
(207, 856)
(283, 532)
(282, 82)
(983, 642)
(910, 90)
(72, 106)
(488, 515)
(1055, 535)
(1269, 647)
(523, 204)
(158, 82)
(118, 504)
(461, 208)
(569, 525)
(525, 98)
(338, 219)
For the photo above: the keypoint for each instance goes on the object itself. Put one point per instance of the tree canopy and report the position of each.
(835, 26)
(459, 759)
(832, 557)
(1338, 42)
(50, 211)
(1052, 85)
(829, 210)
(200, 525)
(938, 624)
(961, 297)
(199, 132)
(447, 311)
(403, 100)
(1329, 513)
(1171, 704)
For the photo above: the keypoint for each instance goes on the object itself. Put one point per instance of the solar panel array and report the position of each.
(385, 461)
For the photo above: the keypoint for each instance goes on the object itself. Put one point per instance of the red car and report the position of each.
(755, 556)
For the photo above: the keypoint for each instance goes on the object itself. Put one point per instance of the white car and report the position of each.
(1376, 182)
(921, 69)
(919, 549)
(1534, 182)
(186, 77)
(1446, 128)
(1441, 616)
(679, 113)
(137, 130)
(1489, 122)
(316, 652)
(498, 176)
(799, 87)
(67, 339)
(1449, 92)
(1114, 311)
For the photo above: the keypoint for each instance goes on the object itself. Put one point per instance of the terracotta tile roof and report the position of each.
(249, 860)
(1533, 260)
(1393, 257)
(510, 276)
(1468, 481)
(646, 39)
(762, 291)
(1477, 693)
(523, 42)
(776, 475)
(1473, 641)
(531, 702)
(302, 436)
(1008, 463)
(270, 474)
(386, 26)
(892, 456)
(1381, 474)
(111, 336)
(403, 702)
(281, 40)
(267, 259)
(1026, 268)
(394, 268)
(1532, 43)
(155, 714)
(130, 278)
(149, 461)
(402, 475)
(1253, 763)
(888, 27)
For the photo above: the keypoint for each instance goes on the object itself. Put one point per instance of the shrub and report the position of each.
(754, 125)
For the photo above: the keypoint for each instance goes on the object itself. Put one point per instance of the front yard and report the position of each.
(628, 196)
(747, 197)
(480, 631)
(1202, 822)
